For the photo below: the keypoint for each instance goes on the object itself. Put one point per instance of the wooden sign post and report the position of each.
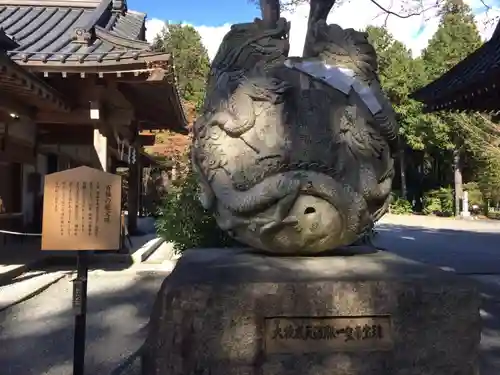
(81, 211)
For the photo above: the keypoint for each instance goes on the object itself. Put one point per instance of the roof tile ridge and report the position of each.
(119, 6)
(121, 41)
(86, 33)
(137, 13)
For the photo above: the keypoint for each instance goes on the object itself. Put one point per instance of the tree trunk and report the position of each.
(402, 167)
(457, 169)
(419, 188)
(486, 207)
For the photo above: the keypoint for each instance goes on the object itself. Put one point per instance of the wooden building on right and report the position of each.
(471, 85)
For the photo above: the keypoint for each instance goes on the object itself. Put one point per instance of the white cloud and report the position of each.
(210, 36)
(153, 28)
(414, 32)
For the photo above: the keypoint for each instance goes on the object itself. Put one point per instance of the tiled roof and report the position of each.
(464, 79)
(78, 31)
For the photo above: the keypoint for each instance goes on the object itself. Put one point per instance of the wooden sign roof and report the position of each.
(470, 84)
(81, 32)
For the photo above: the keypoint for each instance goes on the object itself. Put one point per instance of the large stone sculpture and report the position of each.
(294, 155)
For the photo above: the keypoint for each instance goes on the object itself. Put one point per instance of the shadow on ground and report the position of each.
(465, 252)
(471, 253)
(37, 335)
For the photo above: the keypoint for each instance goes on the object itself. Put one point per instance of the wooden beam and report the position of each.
(16, 107)
(82, 116)
(107, 66)
(146, 139)
(53, 128)
(67, 138)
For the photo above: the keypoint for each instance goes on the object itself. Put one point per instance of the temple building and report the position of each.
(473, 84)
(78, 84)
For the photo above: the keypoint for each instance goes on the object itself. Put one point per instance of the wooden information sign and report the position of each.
(81, 210)
(329, 334)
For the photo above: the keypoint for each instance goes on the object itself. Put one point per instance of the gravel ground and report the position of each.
(36, 336)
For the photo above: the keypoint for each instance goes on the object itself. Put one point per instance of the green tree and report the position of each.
(457, 37)
(394, 67)
(192, 63)
(399, 75)
(488, 178)
(483, 141)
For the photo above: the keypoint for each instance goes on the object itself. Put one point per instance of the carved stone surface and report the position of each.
(230, 312)
(294, 155)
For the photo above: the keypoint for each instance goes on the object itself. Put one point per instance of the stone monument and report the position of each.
(231, 312)
(294, 158)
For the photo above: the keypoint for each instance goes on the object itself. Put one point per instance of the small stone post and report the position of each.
(465, 204)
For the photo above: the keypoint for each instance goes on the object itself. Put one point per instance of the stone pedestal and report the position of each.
(229, 312)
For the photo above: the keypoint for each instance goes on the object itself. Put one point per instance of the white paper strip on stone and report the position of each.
(340, 78)
(367, 96)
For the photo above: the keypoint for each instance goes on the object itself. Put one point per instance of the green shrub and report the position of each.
(494, 215)
(439, 202)
(400, 206)
(183, 221)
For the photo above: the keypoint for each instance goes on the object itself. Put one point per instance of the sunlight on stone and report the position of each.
(485, 314)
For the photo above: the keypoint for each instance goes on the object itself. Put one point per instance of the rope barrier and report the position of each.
(20, 233)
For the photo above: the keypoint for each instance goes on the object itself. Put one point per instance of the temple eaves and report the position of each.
(472, 84)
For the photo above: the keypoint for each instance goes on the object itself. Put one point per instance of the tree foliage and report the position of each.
(192, 63)
(456, 38)
(430, 140)
(183, 221)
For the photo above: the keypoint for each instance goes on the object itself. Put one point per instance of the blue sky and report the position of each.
(212, 19)
(198, 12)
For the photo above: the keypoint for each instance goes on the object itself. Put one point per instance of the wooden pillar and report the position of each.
(112, 166)
(37, 186)
(142, 189)
(134, 180)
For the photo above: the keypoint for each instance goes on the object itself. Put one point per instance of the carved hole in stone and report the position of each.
(309, 210)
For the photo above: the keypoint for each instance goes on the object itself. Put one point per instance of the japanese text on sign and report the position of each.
(319, 334)
(74, 203)
(82, 208)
